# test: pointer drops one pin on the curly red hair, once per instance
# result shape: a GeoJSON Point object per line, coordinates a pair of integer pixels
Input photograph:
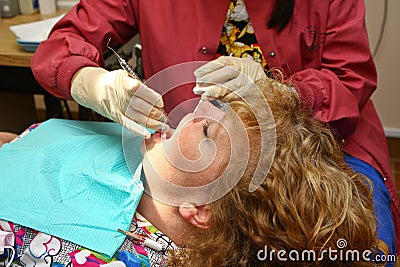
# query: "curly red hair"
{"type": "Point", "coordinates": [309, 200]}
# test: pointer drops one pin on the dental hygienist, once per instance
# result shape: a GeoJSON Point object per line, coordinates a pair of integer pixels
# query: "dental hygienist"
{"type": "Point", "coordinates": [321, 46]}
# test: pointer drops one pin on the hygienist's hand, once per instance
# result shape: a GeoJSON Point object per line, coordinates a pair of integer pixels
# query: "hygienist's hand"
{"type": "Point", "coordinates": [225, 75]}
{"type": "Point", "coordinates": [120, 98]}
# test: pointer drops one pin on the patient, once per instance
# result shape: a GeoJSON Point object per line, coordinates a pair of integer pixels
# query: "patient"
{"type": "Point", "coordinates": [308, 199]}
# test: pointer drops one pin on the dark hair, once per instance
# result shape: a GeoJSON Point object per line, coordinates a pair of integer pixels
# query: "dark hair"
{"type": "Point", "coordinates": [281, 14]}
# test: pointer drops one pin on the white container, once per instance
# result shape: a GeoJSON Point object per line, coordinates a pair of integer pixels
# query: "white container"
{"type": "Point", "coordinates": [27, 6]}
{"type": "Point", "coordinates": [47, 7]}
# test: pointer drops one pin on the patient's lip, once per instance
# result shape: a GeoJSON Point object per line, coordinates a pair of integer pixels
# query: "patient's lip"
{"type": "Point", "coordinates": [156, 135]}
{"type": "Point", "coordinates": [152, 141]}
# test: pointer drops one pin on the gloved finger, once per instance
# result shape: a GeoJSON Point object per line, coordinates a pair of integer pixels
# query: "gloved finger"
{"type": "Point", "coordinates": [230, 97]}
{"type": "Point", "coordinates": [207, 68]}
{"type": "Point", "coordinates": [215, 91]}
{"type": "Point", "coordinates": [137, 88]}
{"type": "Point", "coordinates": [134, 127]}
{"type": "Point", "coordinates": [150, 96]}
{"type": "Point", "coordinates": [219, 76]}
{"type": "Point", "coordinates": [245, 92]}
{"type": "Point", "coordinates": [219, 91]}
{"type": "Point", "coordinates": [198, 90]}
{"type": "Point", "coordinates": [169, 132]}
{"type": "Point", "coordinates": [215, 65]}
{"type": "Point", "coordinates": [143, 119]}
{"type": "Point", "coordinates": [147, 109]}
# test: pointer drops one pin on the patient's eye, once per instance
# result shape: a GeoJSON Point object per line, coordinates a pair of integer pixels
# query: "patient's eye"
{"type": "Point", "coordinates": [206, 124]}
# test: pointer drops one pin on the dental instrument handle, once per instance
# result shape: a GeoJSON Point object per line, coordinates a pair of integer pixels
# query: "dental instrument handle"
{"type": "Point", "coordinates": [145, 240]}
{"type": "Point", "coordinates": [125, 66]}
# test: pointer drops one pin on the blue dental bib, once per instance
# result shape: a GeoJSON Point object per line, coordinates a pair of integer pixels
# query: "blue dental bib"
{"type": "Point", "coordinates": [70, 179]}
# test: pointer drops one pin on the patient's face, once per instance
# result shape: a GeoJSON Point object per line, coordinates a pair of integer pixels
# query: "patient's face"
{"type": "Point", "coordinates": [197, 152]}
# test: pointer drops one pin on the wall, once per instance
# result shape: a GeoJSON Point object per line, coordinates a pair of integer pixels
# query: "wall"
{"type": "Point", "coordinates": [387, 97]}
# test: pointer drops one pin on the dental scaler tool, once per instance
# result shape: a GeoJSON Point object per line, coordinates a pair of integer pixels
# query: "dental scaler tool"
{"type": "Point", "coordinates": [123, 63]}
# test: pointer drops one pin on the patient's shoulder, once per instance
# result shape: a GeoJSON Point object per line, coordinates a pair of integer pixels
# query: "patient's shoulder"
{"type": "Point", "coordinates": [6, 137]}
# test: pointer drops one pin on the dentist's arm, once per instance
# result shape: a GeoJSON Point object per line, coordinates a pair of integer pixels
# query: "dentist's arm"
{"type": "Point", "coordinates": [6, 137]}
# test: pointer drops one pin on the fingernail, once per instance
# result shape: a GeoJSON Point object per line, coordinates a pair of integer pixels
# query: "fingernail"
{"type": "Point", "coordinates": [160, 103]}
{"type": "Point", "coordinates": [198, 90]}
{"type": "Point", "coordinates": [205, 95]}
{"type": "Point", "coordinates": [165, 128]}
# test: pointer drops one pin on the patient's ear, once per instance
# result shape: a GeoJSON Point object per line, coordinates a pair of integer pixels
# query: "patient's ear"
{"type": "Point", "coordinates": [199, 216]}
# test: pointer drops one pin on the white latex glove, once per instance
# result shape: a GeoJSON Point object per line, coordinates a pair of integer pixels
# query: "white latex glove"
{"type": "Point", "coordinates": [120, 98]}
{"type": "Point", "coordinates": [221, 77]}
